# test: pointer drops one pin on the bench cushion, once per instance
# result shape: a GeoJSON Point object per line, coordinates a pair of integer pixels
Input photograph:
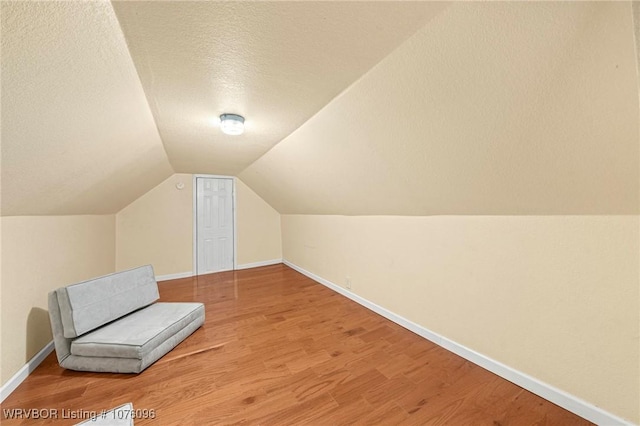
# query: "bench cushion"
{"type": "Point", "coordinates": [139, 333]}
{"type": "Point", "coordinates": [88, 305]}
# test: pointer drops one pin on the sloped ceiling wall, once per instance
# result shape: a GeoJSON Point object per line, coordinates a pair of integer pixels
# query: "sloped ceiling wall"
{"type": "Point", "coordinates": [78, 136]}
{"type": "Point", "coordinates": [492, 108]}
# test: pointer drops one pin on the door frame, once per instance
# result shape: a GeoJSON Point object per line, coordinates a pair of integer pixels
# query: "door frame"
{"type": "Point", "coordinates": [194, 252]}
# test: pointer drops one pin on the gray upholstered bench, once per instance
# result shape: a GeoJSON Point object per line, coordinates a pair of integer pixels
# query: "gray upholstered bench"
{"type": "Point", "coordinates": [112, 324]}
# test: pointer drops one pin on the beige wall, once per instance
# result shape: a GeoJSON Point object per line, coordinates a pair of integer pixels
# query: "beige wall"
{"type": "Point", "coordinates": [259, 236]}
{"type": "Point", "coordinates": [2, 356]}
{"type": "Point", "coordinates": [554, 297]}
{"type": "Point", "coordinates": [39, 254]}
{"type": "Point", "coordinates": [157, 228]}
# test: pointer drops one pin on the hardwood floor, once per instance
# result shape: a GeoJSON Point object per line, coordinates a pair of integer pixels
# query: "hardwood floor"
{"type": "Point", "coordinates": [277, 349]}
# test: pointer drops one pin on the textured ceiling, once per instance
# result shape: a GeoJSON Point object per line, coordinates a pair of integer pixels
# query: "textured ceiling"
{"type": "Point", "coordinates": [276, 63]}
{"type": "Point", "coordinates": [469, 108]}
{"type": "Point", "coordinates": [492, 108]}
{"type": "Point", "coordinates": [77, 133]}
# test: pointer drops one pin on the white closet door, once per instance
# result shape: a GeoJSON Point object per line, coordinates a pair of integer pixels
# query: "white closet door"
{"type": "Point", "coordinates": [214, 225]}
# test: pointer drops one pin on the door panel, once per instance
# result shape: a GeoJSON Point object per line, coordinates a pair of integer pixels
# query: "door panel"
{"type": "Point", "coordinates": [214, 222]}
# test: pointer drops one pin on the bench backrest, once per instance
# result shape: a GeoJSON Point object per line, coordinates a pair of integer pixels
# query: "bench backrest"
{"type": "Point", "coordinates": [88, 305]}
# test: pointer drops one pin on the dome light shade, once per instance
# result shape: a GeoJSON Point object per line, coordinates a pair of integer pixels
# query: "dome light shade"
{"type": "Point", "coordinates": [232, 124]}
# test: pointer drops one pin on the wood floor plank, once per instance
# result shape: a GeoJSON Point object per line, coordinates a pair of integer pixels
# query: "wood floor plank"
{"type": "Point", "coordinates": [386, 414]}
{"type": "Point", "coordinates": [279, 349]}
{"type": "Point", "coordinates": [398, 387]}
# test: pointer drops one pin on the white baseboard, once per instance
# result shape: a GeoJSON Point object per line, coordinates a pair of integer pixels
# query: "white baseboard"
{"type": "Point", "coordinates": [258, 264]}
{"type": "Point", "coordinates": [563, 399]}
{"type": "Point", "coordinates": [238, 267]}
{"type": "Point", "coordinates": [24, 372]}
{"type": "Point", "coordinates": [174, 276]}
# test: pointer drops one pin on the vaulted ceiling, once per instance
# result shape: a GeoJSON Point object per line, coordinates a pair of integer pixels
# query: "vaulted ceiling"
{"type": "Point", "coordinates": [80, 136]}
{"type": "Point", "coordinates": [410, 108]}
{"type": "Point", "coordinates": [276, 63]}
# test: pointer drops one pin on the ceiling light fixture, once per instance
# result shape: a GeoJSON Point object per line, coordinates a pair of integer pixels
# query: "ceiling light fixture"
{"type": "Point", "coordinates": [232, 124]}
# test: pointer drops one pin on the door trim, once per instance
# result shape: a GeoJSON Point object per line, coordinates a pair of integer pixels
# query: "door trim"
{"type": "Point", "coordinates": [194, 250]}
